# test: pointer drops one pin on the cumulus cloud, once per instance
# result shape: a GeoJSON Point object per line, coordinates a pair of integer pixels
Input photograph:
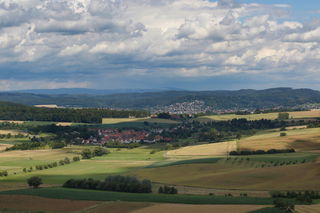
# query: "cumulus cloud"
{"type": "Point", "coordinates": [186, 38]}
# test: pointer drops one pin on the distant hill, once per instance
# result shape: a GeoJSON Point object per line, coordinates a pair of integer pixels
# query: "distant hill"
{"type": "Point", "coordinates": [86, 91]}
{"type": "Point", "coordinates": [240, 99]}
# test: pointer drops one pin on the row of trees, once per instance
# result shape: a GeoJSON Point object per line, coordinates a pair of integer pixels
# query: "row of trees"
{"type": "Point", "coordinates": [53, 164]}
{"type": "Point", "coordinates": [112, 183]}
{"type": "Point", "coordinates": [294, 194]}
{"type": "Point", "coordinates": [261, 152]}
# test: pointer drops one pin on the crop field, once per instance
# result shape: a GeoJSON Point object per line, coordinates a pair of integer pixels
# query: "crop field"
{"type": "Point", "coordinates": [185, 208]}
{"type": "Point", "coordinates": [213, 149]}
{"type": "Point", "coordinates": [271, 116]}
{"type": "Point", "coordinates": [4, 146]}
{"type": "Point", "coordinates": [238, 176]}
{"type": "Point", "coordinates": [299, 139]}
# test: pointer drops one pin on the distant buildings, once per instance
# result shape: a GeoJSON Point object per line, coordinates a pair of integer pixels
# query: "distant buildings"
{"type": "Point", "coordinates": [194, 107]}
{"type": "Point", "coordinates": [127, 136]}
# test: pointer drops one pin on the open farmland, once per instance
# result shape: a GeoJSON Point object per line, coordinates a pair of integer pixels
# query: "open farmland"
{"type": "Point", "coordinates": [118, 161]}
{"type": "Point", "coordinates": [301, 139]}
{"type": "Point", "coordinates": [270, 116]}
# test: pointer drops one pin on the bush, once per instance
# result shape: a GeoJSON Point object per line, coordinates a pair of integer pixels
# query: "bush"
{"type": "Point", "coordinates": [34, 181]}
{"type": "Point", "coordinates": [99, 151]}
{"type": "Point", "coordinates": [76, 158]}
{"type": "Point", "coordinates": [3, 173]}
{"type": "Point", "coordinates": [282, 134]}
{"type": "Point", "coordinates": [153, 151]}
{"type": "Point", "coordinates": [167, 190]}
{"type": "Point", "coordinates": [86, 154]}
{"type": "Point", "coordinates": [284, 205]}
{"type": "Point", "coordinates": [57, 145]}
{"type": "Point", "coordinates": [66, 160]}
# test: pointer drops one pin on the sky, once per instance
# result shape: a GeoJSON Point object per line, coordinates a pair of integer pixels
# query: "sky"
{"type": "Point", "coordinates": [148, 44]}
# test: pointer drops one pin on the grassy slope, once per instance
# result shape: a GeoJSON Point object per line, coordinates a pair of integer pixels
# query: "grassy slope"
{"type": "Point", "coordinates": [79, 194]}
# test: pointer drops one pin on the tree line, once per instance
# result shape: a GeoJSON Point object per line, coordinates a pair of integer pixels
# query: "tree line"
{"type": "Point", "coordinates": [261, 152]}
{"type": "Point", "coordinates": [11, 111]}
{"type": "Point", "coordinates": [116, 183]}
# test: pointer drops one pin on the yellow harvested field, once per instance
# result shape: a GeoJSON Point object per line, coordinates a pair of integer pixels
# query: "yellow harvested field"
{"type": "Point", "coordinates": [43, 154]}
{"type": "Point", "coordinates": [12, 132]}
{"type": "Point", "coordinates": [119, 120]}
{"type": "Point", "coordinates": [64, 124]}
{"type": "Point", "coordinates": [187, 208]}
{"type": "Point", "coordinates": [213, 149]}
{"type": "Point", "coordinates": [125, 120]}
{"type": "Point", "coordinates": [225, 176]}
{"type": "Point", "coordinates": [307, 208]}
{"type": "Point", "coordinates": [299, 139]}
{"type": "Point", "coordinates": [271, 116]}
{"type": "Point", "coordinates": [4, 146]}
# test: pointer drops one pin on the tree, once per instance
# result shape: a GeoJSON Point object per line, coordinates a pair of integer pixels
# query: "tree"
{"type": "Point", "coordinates": [99, 151]}
{"type": "Point", "coordinates": [282, 134]}
{"type": "Point", "coordinates": [164, 115]}
{"type": "Point", "coordinates": [283, 205]}
{"type": "Point", "coordinates": [86, 154]}
{"type": "Point", "coordinates": [34, 181]}
{"type": "Point", "coordinates": [283, 116]}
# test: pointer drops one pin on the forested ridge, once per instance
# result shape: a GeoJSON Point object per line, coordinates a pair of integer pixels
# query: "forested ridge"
{"type": "Point", "coordinates": [240, 99]}
{"type": "Point", "coordinates": [12, 111]}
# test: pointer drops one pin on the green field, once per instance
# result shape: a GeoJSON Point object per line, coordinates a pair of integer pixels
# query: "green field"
{"type": "Point", "coordinates": [80, 194]}
{"type": "Point", "coordinates": [118, 161]}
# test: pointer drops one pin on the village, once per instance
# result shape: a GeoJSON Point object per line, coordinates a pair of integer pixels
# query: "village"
{"type": "Point", "coordinates": [127, 136]}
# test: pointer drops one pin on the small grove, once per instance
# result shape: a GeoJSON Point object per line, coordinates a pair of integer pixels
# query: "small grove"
{"type": "Point", "coordinates": [116, 183]}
